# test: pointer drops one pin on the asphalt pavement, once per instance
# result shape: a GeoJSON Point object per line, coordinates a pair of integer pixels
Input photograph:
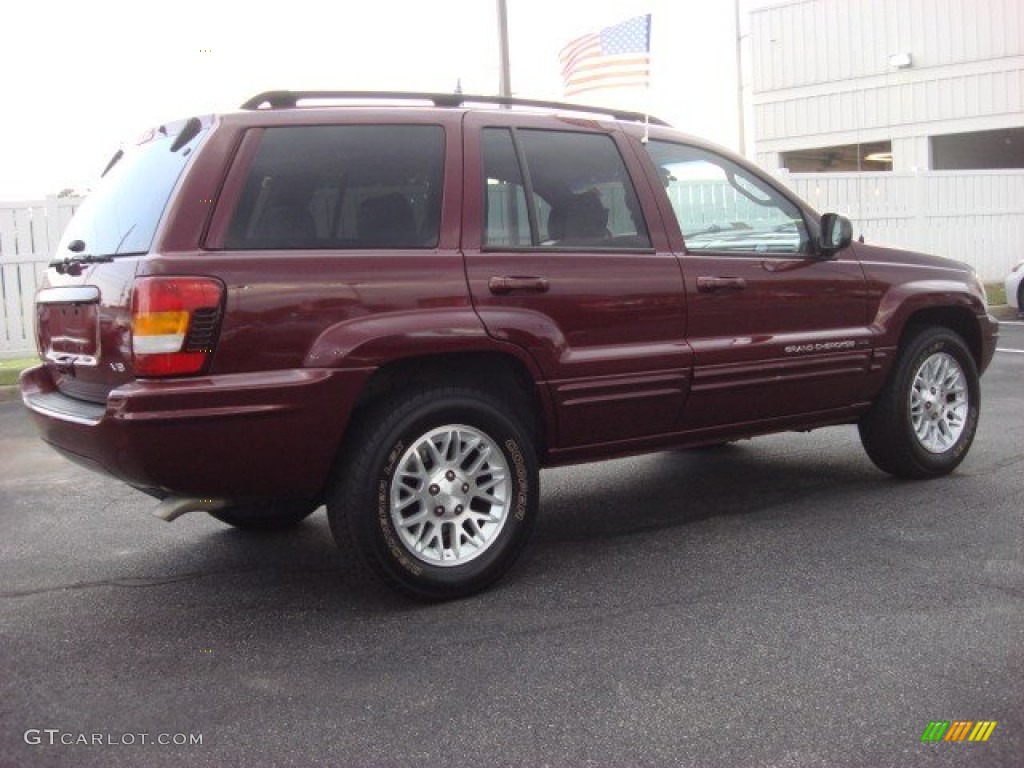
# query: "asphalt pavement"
{"type": "Point", "coordinates": [778, 602]}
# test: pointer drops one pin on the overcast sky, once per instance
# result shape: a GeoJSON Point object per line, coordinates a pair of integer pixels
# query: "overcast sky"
{"type": "Point", "coordinates": [82, 77]}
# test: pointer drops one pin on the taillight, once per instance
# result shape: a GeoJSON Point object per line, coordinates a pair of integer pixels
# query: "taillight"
{"type": "Point", "coordinates": [174, 324]}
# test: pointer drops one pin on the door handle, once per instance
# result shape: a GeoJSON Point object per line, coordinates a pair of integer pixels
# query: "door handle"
{"type": "Point", "coordinates": [507, 284]}
{"type": "Point", "coordinates": [719, 284]}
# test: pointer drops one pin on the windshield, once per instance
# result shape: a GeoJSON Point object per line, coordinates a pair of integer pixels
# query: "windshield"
{"type": "Point", "coordinates": [121, 214]}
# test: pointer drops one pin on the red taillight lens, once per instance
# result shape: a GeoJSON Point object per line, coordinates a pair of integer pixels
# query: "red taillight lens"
{"type": "Point", "coordinates": [174, 323]}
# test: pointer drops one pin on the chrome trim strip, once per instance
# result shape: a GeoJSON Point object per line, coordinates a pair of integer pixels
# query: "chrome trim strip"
{"type": "Point", "coordinates": [71, 294]}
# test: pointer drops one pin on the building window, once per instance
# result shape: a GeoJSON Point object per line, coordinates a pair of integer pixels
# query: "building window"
{"type": "Point", "coordinates": [870, 157]}
{"type": "Point", "coordinates": [981, 150]}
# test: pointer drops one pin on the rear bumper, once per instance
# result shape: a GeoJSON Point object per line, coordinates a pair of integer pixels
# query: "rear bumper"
{"type": "Point", "coordinates": [261, 435]}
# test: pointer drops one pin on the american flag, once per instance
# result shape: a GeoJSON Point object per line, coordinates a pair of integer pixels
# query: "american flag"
{"type": "Point", "coordinates": [615, 57]}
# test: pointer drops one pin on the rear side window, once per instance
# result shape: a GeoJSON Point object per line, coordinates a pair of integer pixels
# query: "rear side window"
{"type": "Point", "coordinates": [121, 214]}
{"type": "Point", "coordinates": [558, 189]}
{"type": "Point", "coordinates": [342, 186]}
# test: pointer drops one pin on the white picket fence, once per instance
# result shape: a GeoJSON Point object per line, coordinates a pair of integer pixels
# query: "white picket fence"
{"type": "Point", "coordinates": [29, 234]}
{"type": "Point", "coordinates": [974, 216]}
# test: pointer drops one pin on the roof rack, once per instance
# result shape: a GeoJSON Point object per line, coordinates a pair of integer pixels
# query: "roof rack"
{"type": "Point", "coordinates": [291, 99]}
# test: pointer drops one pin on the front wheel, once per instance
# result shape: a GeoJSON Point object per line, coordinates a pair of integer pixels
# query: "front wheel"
{"type": "Point", "coordinates": [437, 493]}
{"type": "Point", "coordinates": [924, 420]}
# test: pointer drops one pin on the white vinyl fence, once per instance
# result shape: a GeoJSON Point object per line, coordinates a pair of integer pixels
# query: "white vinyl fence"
{"type": "Point", "coordinates": [29, 233]}
{"type": "Point", "coordinates": [972, 216]}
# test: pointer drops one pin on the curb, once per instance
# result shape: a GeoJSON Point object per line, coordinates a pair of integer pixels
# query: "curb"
{"type": "Point", "coordinates": [1003, 312]}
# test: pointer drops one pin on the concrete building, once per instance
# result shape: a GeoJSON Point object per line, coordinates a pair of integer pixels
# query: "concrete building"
{"type": "Point", "coordinates": [907, 115]}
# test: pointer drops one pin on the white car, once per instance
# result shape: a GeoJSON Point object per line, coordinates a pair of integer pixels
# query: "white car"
{"type": "Point", "coordinates": [1015, 289]}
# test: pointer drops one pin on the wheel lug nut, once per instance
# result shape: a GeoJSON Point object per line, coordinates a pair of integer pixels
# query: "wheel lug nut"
{"type": "Point", "coordinates": [434, 489]}
{"type": "Point", "coordinates": [449, 475]}
{"type": "Point", "coordinates": [465, 487]}
{"type": "Point", "coordinates": [458, 509]}
{"type": "Point", "coordinates": [439, 511]}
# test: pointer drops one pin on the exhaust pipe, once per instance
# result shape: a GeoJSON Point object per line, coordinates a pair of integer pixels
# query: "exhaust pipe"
{"type": "Point", "coordinates": [173, 507]}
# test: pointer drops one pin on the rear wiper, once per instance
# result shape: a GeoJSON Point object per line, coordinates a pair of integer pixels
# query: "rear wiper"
{"type": "Point", "coordinates": [72, 265]}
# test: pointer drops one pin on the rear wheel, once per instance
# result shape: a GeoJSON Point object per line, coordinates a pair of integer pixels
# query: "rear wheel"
{"type": "Point", "coordinates": [438, 492]}
{"type": "Point", "coordinates": [267, 516]}
{"type": "Point", "coordinates": [924, 421]}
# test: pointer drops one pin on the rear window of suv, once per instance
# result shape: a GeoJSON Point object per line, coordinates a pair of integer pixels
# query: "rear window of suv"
{"type": "Point", "coordinates": [120, 216]}
{"type": "Point", "coordinates": [342, 187]}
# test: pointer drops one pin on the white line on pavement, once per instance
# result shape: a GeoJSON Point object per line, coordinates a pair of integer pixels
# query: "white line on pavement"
{"type": "Point", "coordinates": [1014, 351]}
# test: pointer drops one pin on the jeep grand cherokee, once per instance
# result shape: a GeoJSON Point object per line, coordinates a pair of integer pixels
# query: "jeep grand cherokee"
{"type": "Point", "coordinates": [402, 306]}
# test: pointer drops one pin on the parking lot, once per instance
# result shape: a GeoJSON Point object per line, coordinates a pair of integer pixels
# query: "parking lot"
{"type": "Point", "coordinates": [776, 602]}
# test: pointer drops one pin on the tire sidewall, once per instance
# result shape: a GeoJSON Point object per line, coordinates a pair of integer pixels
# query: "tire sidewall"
{"type": "Point", "coordinates": [371, 519]}
{"type": "Point", "coordinates": [926, 345]}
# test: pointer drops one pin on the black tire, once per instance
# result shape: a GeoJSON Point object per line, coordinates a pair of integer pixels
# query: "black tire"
{"type": "Point", "coordinates": [1020, 299]}
{"type": "Point", "coordinates": [369, 493]}
{"type": "Point", "coordinates": [266, 517]}
{"type": "Point", "coordinates": [887, 430]}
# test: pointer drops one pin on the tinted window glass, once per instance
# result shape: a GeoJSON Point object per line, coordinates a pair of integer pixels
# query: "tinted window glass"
{"type": "Point", "coordinates": [337, 187]}
{"type": "Point", "coordinates": [505, 213]}
{"type": "Point", "coordinates": [121, 214]}
{"type": "Point", "coordinates": [582, 196]}
{"type": "Point", "coordinates": [723, 207]}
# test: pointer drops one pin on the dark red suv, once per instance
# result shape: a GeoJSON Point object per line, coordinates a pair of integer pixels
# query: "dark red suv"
{"type": "Point", "coordinates": [403, 309]}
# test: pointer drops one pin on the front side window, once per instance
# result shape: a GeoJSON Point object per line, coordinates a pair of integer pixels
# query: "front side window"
{"type": "Point", "coordinates": [723, 207]}
{"type": "Point", "coordinates": [579, 194]}
{"type": "Point", "coordinates": [342, 187]}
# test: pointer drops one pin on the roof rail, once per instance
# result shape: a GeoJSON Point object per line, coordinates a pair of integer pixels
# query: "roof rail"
{"type": "Point", "coordinates": [291, 99]}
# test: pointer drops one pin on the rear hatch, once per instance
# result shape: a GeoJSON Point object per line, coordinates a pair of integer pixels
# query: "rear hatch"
{"type": "Point", "coordinates": [83, 313]}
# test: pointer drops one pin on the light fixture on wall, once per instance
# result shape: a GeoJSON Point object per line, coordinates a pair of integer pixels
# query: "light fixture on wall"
{"type": "Point", "coordinates": [901, 61]}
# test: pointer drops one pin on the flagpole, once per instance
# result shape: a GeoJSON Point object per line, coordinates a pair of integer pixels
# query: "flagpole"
{"type": "Point", "coordinates": [650, 77]}
{"type": "Point", "coordinates": [504, 75]}
{"type": "Point", "coordinates": [739, 81]}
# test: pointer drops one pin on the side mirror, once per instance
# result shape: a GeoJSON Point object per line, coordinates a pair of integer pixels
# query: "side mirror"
{"type": "Point", "coordinates": [836, 234]}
